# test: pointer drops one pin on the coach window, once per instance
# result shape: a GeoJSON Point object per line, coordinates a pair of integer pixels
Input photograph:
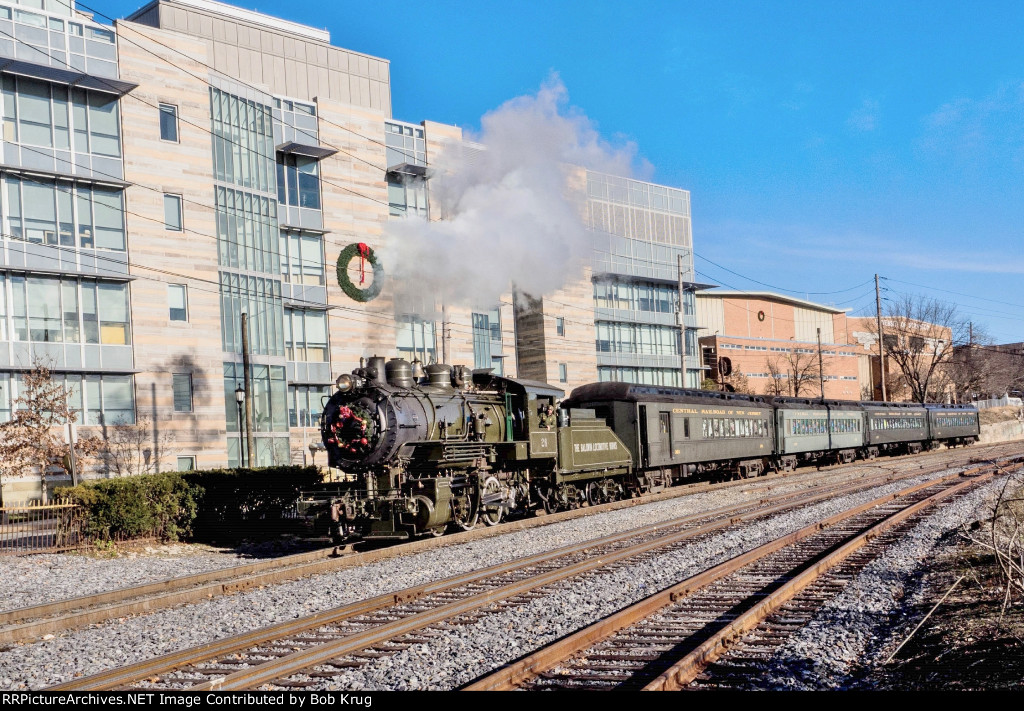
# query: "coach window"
{"type": "Point", "coordinates": [168, 123]}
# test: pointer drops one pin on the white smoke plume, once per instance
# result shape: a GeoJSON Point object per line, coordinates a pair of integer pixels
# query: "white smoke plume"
{"type": "Point", "coordinates": [508, 215]}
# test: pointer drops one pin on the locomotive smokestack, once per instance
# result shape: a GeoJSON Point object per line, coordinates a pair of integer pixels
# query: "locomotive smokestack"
{"type": "Point", "coordinates": [376, 365]}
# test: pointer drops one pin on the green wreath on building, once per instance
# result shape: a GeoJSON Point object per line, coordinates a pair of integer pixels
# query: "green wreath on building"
{"type": "Point", "coordinates": [354, 291]}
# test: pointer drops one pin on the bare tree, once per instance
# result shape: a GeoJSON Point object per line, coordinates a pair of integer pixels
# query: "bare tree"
{"type": "Point", "coordinates": [777, 377]}
{"type": "Point", "coordinates": [795, 374]}
{"type": "Point", "coordinates": [130, 448]}
{"type": "Point", "coordinates": [921, 335]}
{"type": "Point", "coordinates": [980, 369]}
{"type": "Point", "coordinates": [739, 383]}
{"type": "Point", "coordinates": [34, 436]}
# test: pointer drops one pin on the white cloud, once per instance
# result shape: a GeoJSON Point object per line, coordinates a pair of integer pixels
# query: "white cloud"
{"type": "Point", "coordinates": [865, 117]}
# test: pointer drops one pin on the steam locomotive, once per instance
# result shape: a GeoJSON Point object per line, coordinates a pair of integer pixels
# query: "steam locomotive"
{"type": "Point", "coordinates": [425, 449]}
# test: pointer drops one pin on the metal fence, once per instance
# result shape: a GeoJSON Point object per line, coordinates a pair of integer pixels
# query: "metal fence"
{"type": "Point", "coordinates": [35, 527]}
{"type": "Point", "coordinates": [1004, 401]}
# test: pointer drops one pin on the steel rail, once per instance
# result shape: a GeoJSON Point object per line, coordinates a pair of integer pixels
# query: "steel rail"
{"type": "Point", "coordinates": [34, 622]}
{"type": "Point", "coordinates": [516, 673]}
{"type": "Point", "coordinates": [726, 515]}
{"type": "Point", "coordinates": [686, 669]}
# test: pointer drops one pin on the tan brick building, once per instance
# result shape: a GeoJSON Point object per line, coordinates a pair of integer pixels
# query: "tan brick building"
{"type": "Point", "coordinates": [772, 340]}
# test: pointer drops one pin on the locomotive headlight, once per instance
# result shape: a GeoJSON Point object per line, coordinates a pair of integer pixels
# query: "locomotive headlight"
{"type": "Point", "coordinates": [344, 383]}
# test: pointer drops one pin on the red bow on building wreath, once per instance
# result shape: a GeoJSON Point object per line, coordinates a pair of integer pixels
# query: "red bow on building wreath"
{"type": "Point", "coordinates": [364, 254]}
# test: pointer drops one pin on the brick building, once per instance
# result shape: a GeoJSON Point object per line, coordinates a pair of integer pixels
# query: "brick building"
{"type": "Point", "coordinates": [772, 341]}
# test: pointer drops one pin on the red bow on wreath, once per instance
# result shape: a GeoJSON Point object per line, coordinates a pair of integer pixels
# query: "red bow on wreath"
{"type": "Point", "coordinates": [364, 254]}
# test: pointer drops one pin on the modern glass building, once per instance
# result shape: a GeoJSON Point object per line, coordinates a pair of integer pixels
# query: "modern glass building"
{"type": "Point", "coordinates": [196, 162]}
{"type": "Point", "coordinates": [643, 248]}
{"type": "Point", "coordinates": [65, 283]}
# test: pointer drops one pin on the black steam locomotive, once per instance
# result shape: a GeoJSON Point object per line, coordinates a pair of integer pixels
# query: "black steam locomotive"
{"type": "Point", "coordinates": [426, 449]}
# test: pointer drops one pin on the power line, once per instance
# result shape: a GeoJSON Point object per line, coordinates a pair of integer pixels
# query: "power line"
{"type": "Point", "coordinates": [780, 288]}
{"type": "Point", "coordinates": [236, 80]}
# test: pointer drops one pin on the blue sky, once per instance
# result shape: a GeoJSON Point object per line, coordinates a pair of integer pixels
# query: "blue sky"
{"type": "Point", "coordinates": [821, 142]}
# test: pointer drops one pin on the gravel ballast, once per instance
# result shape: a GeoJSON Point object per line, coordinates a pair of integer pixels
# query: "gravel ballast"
{"type": "Point", "coordinates": [453, 658]}
{"type": "Point", "coordinates": [863, 624]}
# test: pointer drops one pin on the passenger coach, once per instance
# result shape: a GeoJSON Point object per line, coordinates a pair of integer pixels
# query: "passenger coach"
{"type": "Point", "coordinates": [672, 432]}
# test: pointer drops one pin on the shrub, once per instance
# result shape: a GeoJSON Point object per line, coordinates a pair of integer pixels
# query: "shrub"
{"type": "Point", "coordinates": [244, 503]}
{"type": "Point", "coordinates": [209, 505]}
{"type": "Point", "coordinates": [159, 505]}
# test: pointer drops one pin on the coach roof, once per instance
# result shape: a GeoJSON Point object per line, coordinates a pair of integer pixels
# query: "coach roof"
{"type": "Point", "coordinates": [632, 392]}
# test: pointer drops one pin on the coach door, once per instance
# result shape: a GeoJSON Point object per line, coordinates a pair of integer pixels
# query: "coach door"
{"type": "Point", "coordinates": [665, 435]}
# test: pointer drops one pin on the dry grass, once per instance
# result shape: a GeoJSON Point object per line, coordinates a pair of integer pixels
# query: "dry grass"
{"type": "Point", "coordinates": [992, 415]}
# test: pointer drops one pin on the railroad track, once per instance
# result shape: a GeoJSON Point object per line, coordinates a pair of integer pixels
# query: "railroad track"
{"type": "Point", "coordinates": [667, 640]}
{"type": "Point", "coordinates": [29, 623]}
{"type": "Point", "coordinates": [321, 645]}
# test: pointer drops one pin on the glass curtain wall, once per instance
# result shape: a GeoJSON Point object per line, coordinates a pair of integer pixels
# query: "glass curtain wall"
{"type": "Point", "coordinates": [248, 239]}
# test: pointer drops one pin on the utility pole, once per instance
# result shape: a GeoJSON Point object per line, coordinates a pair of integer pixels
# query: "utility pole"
{"type": "Point", "coordinates": [970, 361]}
{"type": "Point", "coordinates": [682, 327]}
{"type": "Point", "coordinates": [444, 334]}
{"type": "Point", "coordinates": [821, 368]}
{"type": "Point", "coordinates": [250, 438]}
{"type": "Point", "coordinates": [821, 376]}
{"type": "Point", "coordinates": [881, 339]}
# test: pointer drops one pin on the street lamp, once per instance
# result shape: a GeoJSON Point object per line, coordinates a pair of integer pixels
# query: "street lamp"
{"type": "Point", "coordinates": [240, 400]}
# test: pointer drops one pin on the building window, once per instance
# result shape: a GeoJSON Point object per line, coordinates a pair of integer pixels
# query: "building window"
{"type": "Point", "coordinates": [298, 181]}
{"type": "Point", "coordinates": [54, 310]}
{"type": "Point", "coordinates": [177, 297]}
{"type": "Point", "coordinates": [486, 338]}
{"type": "Point", "coordinates": [51, 116]}
{"type": "Point", "coordinates": [305, 335]}
{"type": "Point", "coordinates": [560, 326]}
{"type": "Point", "coordinates": [172, 212]}
{"type": "Point", "coordinates": [187, 463]}
{"type": "Point", "coordinates": [302, 258]}
{"type": "Point", "coordinates": [182, 385]}
{"type": "Point", "coordinates": [642, 339]}
{"type": "Point", "coordinates": [168, 123]}
{"type": "Point", "coordinates": [63, 212]}
{"type": "Point", "coordinates": [305, 404]}
{"type": "Point", "coordinates": [407, 196]}
{"type": "Point", "coordinates": [247, 232]}
{"type": "Point", "coordinates": [405, 144]}
{"type": "Point", "coordinates": [261, 299]}
{"type": "Point", "coordinates": [563, 373]}
{"type": "Point", "coordinates": [481, 341]}
{"type": "Point", "coordinates": [243, 141]}
{"type": "Point", "coordinates": [416, 339]}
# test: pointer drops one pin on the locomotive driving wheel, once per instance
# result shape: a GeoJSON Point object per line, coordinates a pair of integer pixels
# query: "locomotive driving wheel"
{"type": "Point", "coordinates": [490, 513]}
{"type": "Point", "coordinates": [464, 512]}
